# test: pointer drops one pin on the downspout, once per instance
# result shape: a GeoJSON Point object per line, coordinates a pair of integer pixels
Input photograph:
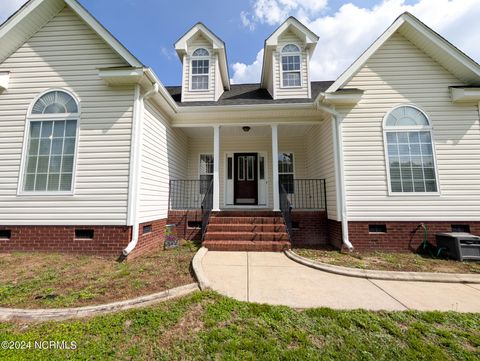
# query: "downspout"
{"type": "Point", "coordinates": [135, 163]}
{"type": "Point", "coordinates": [341, 177]}
{"type": "Point", "coordinates": [339, 170]}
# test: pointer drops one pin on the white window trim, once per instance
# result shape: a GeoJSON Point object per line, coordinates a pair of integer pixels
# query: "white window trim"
{"type": "Point", "coordinates": [386, 129]}
{"type": "Point", "coordinates": [192, 58]}
{"type": "Point", "coordinates": [199, 163]}
{"type": "Point", "coordinates": [48, 117]}
{"type": "Point", "coordinates": [282, 55]}
{"type": "Point", "coordinates": [294, 165]}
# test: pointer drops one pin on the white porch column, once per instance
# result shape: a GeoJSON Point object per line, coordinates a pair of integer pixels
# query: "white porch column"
{"type": "Point", "coordinates": [216, 168]}
{"type": "Point", "coordinates": [276, 188]}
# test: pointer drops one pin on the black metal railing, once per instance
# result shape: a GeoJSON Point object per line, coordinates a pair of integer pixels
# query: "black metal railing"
{"type": "Point", "coordinates": [286, 209]}
{"type": "Point", "coordinates": [307, 193]}
{"type": "Point", "coordinates": [207, 206]}
{"type": "Point", "coordinates": [187, 194]}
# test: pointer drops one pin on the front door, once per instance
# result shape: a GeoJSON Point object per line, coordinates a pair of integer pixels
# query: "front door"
{"type": "Point", "coordinates": [246, 179]}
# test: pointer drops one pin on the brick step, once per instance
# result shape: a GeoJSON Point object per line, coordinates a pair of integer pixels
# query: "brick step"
{"type": "Point", "coordinates": [246, 220]}
{"type": "Point", "coordinates": [246, 227]}
{"type": "Point", "coordinates": [246, 214]}
{"type": "Point", "coordinates": [247, 236]}
{"type": "Point", "coordinates": [246, 246]}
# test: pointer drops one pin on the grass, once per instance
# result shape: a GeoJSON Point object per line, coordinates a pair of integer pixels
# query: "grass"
{"type": "Point", "coordinates": [205, 326]}
{"type": "Point", "coordinates": [30, 280]}
{"type": "Point", "coordinates": [389, 261]}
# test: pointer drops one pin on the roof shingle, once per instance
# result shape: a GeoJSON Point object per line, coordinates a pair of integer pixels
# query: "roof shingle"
{"type": "Point", "coordinates": [248, 94]}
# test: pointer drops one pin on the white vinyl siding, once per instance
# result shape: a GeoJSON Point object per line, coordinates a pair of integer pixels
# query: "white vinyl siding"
{"type": "Point", "coordinates": [320, 161]}
{"type": "Point", "coordinates": [234, 144]}
{"type": "Point", "coordinates": [282, 92]}
{"type": "Point", "coordinates": [66, 53]}
{"type": "Point", "coordinates": [164, 157]}
{"type": "Point", "coordinates": [399, 73]}
{"type": "Point", "coordinates": [188, 94]}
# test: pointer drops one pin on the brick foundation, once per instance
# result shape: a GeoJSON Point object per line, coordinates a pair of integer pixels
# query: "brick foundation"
{"type": "Point", "coordinates": [400, 236]}
{"type": "Point", "coordinates": [312, 228]}
{"type": "Point", "coordinates": [181, 219]}
{"type": "Point", "coordinates": [107, 240]}
{"type": "Point", "coordinates": [334, 230]}
{"type": "Point", "coordinates": [151, 241]}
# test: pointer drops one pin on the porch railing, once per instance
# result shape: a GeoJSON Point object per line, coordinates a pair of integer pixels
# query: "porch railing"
{"type": "Point", "coordinates": [207, 206]}
{"type": "Point", "coordinates": [307, 193]}
{"type": "Point", "coordinates": [188, 194]}
{"type": "Point", "coordinates": [286, 209]}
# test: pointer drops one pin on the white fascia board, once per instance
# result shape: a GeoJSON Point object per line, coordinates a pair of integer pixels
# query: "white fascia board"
{"type": "Point", "coordinates": [443, 44]}
{"type": "Point", "coordinates": [244, 107]}
{"type": "Point", "coordinates": [342, 98]}
{"type": "Point", "coordinates": [357, 64]}
{"type": "Point", "coordinates": [162, 91]}
{"type": "Point", "coordinates": [104, 33]}
{"type": "Point", "coordinates": [181, 44]}
{"type": "Point", "coordinates": [465, 95]}
{"type": "Point", "coordinates": [4, 80]}
{"type": "Point", "coordinates": [121, 76]}
{"type": "Point", "coordinates": [18, 16]}
{"type": "Point", "coordinates": [407, 20]}
{"type": "Point", "coordinates": [308, 36]}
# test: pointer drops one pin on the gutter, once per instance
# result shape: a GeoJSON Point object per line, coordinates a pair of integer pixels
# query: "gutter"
{"type": "Point", "coordinates": [136, 160]}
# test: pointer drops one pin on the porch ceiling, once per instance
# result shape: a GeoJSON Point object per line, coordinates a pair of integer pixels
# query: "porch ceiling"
{"type": "Point", "coordinates": [255, 131]}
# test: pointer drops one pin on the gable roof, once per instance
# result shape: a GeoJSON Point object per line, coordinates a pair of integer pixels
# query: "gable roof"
{"type": "Point", "coordinates": [432, 43]}
{"type": "Point", "coordinates": [34, 14]}
{"type": "Point", "coordinates": [305, 34]}
{"type": "Point", "coordinates": [181, 47]}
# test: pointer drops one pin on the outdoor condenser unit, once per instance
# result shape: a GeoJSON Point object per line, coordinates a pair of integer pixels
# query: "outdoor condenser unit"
{"type": "Point", "coordinates": [460, 246]}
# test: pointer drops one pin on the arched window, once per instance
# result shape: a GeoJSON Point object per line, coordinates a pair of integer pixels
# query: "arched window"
{"type": "Point", "coordinates": [290, 48]}
{"type": "Point", "coordinates": [51, 139]}
{"type": "Point", "coordinates": [200, 69]}
{"type": "Point", "coordinates": [201, 52]}
{"type": "Point", "coordinates": [410, 151]}
{"type": "Point", "coordinates": [291, 73]}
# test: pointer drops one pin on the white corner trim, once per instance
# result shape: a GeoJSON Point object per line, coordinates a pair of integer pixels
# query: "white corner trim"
{"type": "Point", "coordinates": [4, 80]}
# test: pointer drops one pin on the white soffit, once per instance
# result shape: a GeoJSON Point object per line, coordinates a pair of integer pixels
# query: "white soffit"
{"type": "Point", "coordinates": [25, 22]}
{"type": "Point", "coordinates": [32, 16]}
{"type": "Point", "coordinates": [465, 95]}
{"type": "Point", "coordinates": [434, 45]}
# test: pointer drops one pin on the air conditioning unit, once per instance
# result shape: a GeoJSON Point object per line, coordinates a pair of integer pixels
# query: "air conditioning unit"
{"type": "Point", "coordinates": [460, 246]}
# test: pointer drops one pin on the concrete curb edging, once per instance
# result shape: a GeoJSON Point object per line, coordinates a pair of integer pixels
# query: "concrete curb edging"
{"type": "Point", "coordinates": [385, 275]}
{"type": "Point", "coordinates": [202, 279]}
{"type": "Point", "coordinates": [8, 314]}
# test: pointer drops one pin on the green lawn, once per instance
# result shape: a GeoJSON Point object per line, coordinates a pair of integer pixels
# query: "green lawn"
{"type": "Point", "coordinates": [52, 280]}
{"type": "Point", "coordinates": [208, 326]}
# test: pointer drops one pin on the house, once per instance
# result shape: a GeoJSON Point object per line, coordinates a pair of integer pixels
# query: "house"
{"type": "Point", "coordinates": [97, 156]}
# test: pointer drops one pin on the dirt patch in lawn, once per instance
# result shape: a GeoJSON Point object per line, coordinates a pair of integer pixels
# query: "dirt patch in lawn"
{"type": "Point", "coordinates": [49, 280]}
{"type": "Point", "coordinates": [389, 261]}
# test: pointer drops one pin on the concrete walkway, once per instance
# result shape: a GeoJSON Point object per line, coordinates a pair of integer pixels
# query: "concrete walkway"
{"type": "Point", "coordinates": [273, 278]}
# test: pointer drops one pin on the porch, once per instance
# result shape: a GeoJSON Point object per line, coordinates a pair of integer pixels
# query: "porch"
{"type": "Point", "coordinates": [247, 181]}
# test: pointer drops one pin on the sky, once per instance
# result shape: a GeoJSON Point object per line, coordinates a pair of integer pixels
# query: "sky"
{"type": "Point", "coordinates": [149, 28]}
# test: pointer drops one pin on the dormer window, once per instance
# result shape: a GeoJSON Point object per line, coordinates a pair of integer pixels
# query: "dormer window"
{"type": "Point", "coordinates": [291, 73]}
{"type": "Point", "coordinates": [200, 69]}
